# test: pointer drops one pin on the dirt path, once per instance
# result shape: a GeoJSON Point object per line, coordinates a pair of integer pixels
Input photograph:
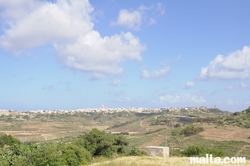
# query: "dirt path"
{"type": "Point", "coordinates": [141, 123]}
{"type": "Point", "coordinates": [146, 127]}
{"type": "Point", "coordinates": [241, 149]}
{"type": "Point", "coordinates": [44, 136]}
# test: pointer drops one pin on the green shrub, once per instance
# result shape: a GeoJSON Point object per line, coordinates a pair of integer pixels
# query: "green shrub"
{"type": "Point", "coordinates": [200, 151]}
{"type": "Point", "coordinates": [74, 155]}
{"type": "Point", "coordinates": [53, 154]}
{"type": "Point", "coordinates": [175, 132]}
{"type": "Point", "coordinates": [177, 125]}
{"type": "Point", "coordinates": [193, 151]}
{"type": "Point", "coordinates": [100, 143]}
{"type": "Point", "coordinates": [175, 152]}
{"type": "Point", "coordinates": [8, 140]}
{"type": "Point", "coordinates": [136, 152]}
{"type": "Point", "coordinates": [191, 130]}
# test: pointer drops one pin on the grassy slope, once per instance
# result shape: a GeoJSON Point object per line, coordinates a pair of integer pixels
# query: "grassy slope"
{"type": "Point", "coordinates": [155, 161]}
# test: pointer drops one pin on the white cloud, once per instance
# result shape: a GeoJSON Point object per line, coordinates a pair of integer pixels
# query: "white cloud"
{"type": "Point", "coordinates": [160, 8]}
{"type": "Point", "coordinates": [234, 66]}
{"type": "Point", "coordinates": [97, 76]}
{"type": "Point", "coordinates": [134, 19]}
{"type": "Point", "coordinates": [130, 19]}
{"type": "Point", "coordinates": [49, 22]}
{"type": "Point", "coordinates": [188, 85]}
{"type": "Point", "coordinates": [156, 74]}
{"type": "Point", "coordinates": [16, 9]}
{"type": "Point", "coordinates": [152, 21]}
{"type": "Point", "coordinates": [68, 26]}
{"type": "Point", "coordinates": [101, 55]}
{"type": "Point", "coordinates": [178, 98]}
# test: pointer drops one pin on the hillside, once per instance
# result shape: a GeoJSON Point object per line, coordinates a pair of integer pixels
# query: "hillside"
{"type": "Point", "coordinates": [220, 129]}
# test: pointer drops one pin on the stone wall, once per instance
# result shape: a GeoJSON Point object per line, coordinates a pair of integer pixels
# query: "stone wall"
{"type": "Point", "coordinates": [159, 151]}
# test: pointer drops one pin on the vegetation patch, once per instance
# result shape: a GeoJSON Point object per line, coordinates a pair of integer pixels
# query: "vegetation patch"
{"type": "Point", "coordinates": [229, 148]}
{"type": "Point", "coordinates": [191, 130]}
{"type": "Point", "coordinates": [79, 152]}
{"type": "Point", "coordinates": [201, 152]}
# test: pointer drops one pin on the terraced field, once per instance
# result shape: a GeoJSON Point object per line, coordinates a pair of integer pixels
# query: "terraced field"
{"type": "Point", "coordinates": [141, 129]}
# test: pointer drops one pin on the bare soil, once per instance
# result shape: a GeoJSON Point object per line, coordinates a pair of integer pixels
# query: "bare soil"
{"type": "Point", "coordinates": [226, 133]}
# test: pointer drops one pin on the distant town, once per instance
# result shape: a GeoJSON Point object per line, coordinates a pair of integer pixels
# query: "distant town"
{"type": "Point", "coordinates": [103, 109]}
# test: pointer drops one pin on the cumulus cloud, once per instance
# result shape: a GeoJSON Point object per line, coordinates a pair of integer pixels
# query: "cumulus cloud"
{"type": "Point", "coordinates": [156, 74]}
{"type": "Point", "coordinates": [234, 66]}
{"type": "Point", "coordinates": [68, 27]}
{"type": "Point", "coordinates": [47, 22]}
{"type": "Point", "coordinates": [17, 9]}
{"type": "Point", "coordinates": [178, 98]}
{"type": "Point", "coordinates": [133, 19]}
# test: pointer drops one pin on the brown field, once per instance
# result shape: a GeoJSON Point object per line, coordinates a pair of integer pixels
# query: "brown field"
{"type": "Point", "coordinates": [37, 131]}
{"type": "Point", "coordinates": [226, 133]}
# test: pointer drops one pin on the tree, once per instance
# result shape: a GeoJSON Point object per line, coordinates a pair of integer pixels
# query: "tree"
{"type": "Point", "coordinates": [100, 143]}
{"type": "Point", "coordinates": [74, 155]}
{"type": "Point", "coordinates": [8, 140]}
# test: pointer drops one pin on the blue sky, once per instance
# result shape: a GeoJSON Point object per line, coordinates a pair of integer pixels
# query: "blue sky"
{"type": "Point", "coordinates": [70, 54]}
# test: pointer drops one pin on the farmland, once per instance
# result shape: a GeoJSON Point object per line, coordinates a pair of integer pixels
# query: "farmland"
{"type": "Point", "coordinates": [221, 130]}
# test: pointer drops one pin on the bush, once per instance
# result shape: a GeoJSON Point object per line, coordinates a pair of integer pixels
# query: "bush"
{"type": "Point", "coordinates": [74, 155]}
{"type": "Point", "coordinates": [175, 152]}
{"type": "Point", "coordinates": [193, 151]}
{"type": "Point", "coordinates": [136, 152]}
{"type": "Point", "coordinates": [191, 130]}
{"type": "Point", "coordinates": [199, 151]}
{"type": "Point", "coordinates": [79, 152]}
{"type": "Point", "coordinates": [177, 125]}
{"type": "Point", "coordinates": [8, 140]}
{"type": "Point", "coordinates": [175, 133]}
{"type": "Point", "coordinates": [53, 154]}
{"type": "Point", "coordinates": [100, 143]}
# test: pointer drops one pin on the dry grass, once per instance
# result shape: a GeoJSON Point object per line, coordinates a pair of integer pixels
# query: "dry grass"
{"type": "Point", "coordinates": [38, 131]}
{"type": "Point", "coordinates": [155, 161]}
{"type": "Point", "coordinates": [226, 133]}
